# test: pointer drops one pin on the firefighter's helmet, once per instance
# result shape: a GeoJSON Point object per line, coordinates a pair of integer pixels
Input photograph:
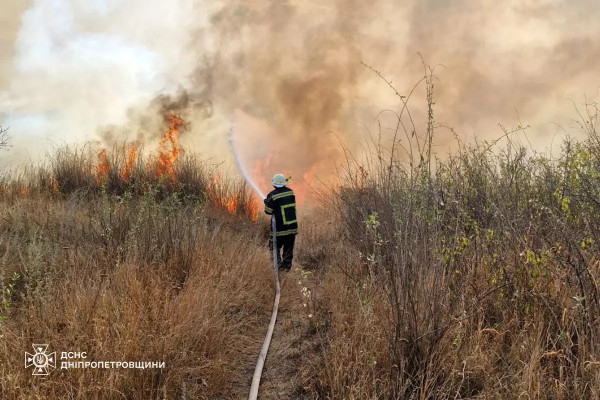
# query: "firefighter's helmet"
{"type": "Point", "coordinates": [279, 180]}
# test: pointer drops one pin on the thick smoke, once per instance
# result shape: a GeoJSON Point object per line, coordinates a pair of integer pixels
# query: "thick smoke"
{"type": "Point", "coordinates": [289, 74]}
{"type": "Point", "coordinates": [294, 67]}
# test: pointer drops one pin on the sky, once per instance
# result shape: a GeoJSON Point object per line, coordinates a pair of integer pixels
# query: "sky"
{"type": "Point", "coordinates": [289, 75]}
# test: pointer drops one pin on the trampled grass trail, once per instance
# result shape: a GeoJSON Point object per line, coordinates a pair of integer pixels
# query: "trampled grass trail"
{"type": "Point", "coordinates": [283, 375]}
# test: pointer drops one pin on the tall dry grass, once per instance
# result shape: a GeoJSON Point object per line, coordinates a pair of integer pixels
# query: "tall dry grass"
{"type": "Point", "coordinates": [153, 272]}
{"type": "Point", "coordinates": [475, 276]}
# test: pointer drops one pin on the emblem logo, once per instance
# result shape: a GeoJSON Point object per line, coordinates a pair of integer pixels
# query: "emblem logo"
{"type": "Point", "coordinates": [40, 360]}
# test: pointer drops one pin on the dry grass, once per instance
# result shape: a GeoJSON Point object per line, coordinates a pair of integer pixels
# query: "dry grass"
{"type": "Point", "coordinates": [144, 276]}
{"type": "Point", "coordinates": [472, 277]}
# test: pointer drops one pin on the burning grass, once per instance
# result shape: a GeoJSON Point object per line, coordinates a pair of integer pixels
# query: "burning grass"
{"type": "Point", "coordinates": [125, 171]}
{"type": "Point", "coordinates": [169, 150]}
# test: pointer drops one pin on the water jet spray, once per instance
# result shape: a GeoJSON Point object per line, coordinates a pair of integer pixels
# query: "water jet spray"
{"type": "Point", "coordinates": [240, 166]}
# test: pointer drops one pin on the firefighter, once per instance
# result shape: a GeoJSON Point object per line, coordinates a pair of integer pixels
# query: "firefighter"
{"type": "Point", "coordinates": [281, 203]}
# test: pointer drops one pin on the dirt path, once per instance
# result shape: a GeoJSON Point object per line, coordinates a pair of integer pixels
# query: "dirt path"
{"type": "Point", "coordinates": [282, 376]}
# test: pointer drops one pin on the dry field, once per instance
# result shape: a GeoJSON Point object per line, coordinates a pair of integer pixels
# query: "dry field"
{"type": "Point", "coordinates": [475, 277]}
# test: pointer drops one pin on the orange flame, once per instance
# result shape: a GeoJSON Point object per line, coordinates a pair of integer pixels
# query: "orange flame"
{"type": "Point", "coordinates": [132, 155]}
{"type": "Point", "coordinates": [169, 150]}
{"type": "Point", "coordinates": [230, 205]}
{"type": "Point", "coordinates": [234, 205]}
{"type": "Point", "coordinates": [253, 206]}
{"type": "Point", "coordinates": [103, 167]}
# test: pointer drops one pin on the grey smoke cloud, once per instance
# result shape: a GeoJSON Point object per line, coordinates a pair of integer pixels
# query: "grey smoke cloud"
{"type": "Point", "coordinates": [288, 73]}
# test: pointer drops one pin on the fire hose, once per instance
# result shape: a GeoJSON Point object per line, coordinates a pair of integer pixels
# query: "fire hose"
{"type": "Point", "coordinates": [265, 347]}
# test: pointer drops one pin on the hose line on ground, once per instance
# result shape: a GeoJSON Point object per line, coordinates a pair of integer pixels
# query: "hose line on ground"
{"type": "Point", "coordinates": [265, 347]}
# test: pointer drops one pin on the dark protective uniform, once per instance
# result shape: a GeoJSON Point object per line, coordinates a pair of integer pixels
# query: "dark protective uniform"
{"type": "Point", "coordinates": [281, 202]}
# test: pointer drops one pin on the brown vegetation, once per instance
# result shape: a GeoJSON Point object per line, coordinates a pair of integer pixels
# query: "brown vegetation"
{"type": "Point", "coordinates": [129, 274]}
{"type": "Point", "coordinates": [472, 277]}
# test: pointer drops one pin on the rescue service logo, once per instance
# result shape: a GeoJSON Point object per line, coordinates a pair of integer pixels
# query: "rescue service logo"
{"type": "Point", "coordinates": [41, 361]}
